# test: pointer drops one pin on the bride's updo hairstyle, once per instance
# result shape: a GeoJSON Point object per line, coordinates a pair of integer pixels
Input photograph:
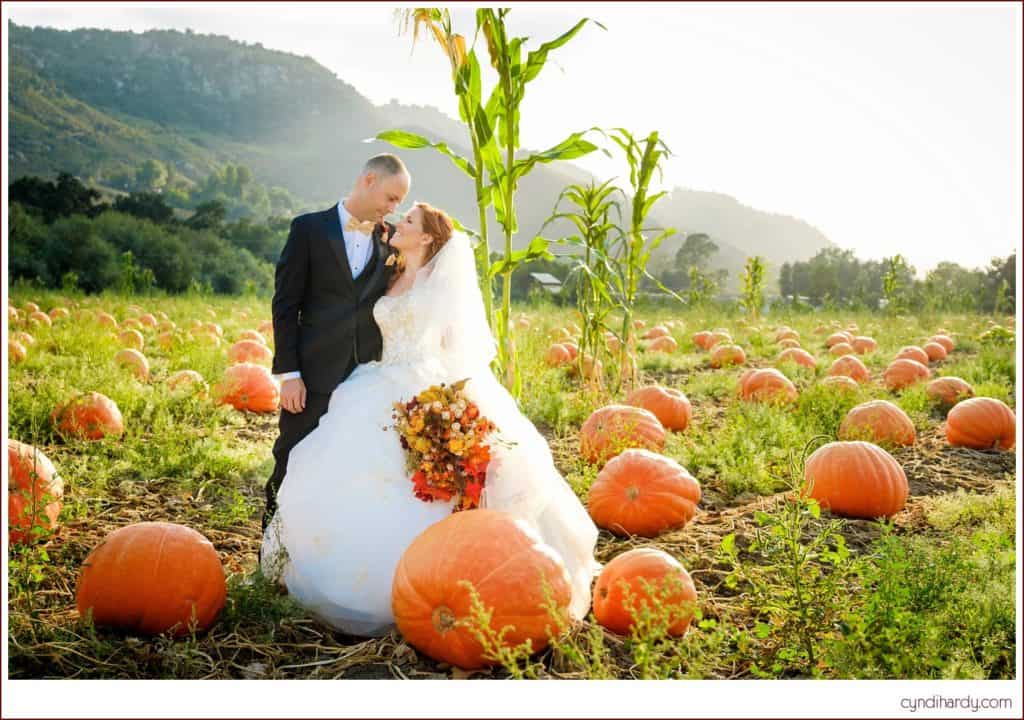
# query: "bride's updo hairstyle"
{"type": "Point", "coordinates": [438, 225]}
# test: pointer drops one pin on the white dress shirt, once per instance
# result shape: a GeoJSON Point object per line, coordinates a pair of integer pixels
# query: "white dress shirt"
{"type": "Point", "coordinates": [358, 247]}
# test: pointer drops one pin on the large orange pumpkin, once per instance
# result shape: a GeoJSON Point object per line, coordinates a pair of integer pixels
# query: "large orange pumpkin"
{"type": "Point", "coordinates": [134, 361]}
{"type": "Point", "coordinates": [656, 332]}
{"type": "Point", "coordinates": [787, 334]}
{"type": "Point", "coordinates": [983, 424]}
{"type": "Point", "coordinates": [663, 343]}
{"type": "Point", "coordinates": [643, 493]}
{"type": "Point", "coordinates": [701, 339]}
{"type": "Point", "coordinates": [878, 421]}
{"type": "Point", "coordinates": [634, 571]}
{"type": "Point", "coordinates": [789, 343]}
{"type": "Point", "coordinates": [557, 355]}
{"type": "Point", "coordinates": [106, 319]}
{"type": "Point", "coordinates": [840, 382]}
{"type": "Point", "coordinates": [34, 492]}
{"type": "Point", "coordinates": [249, 387]}
{"type": "Point", "coordinates": [935, 351]}
{"type": "Point", "coordinates": [862, 345]}
{"type": "Point", "coordinates": [949, 390]}
{"type": "Point", "coordinates": [839, 337]}
{"type": "Point", "coordinates": [856, 479]}
{"type": "Point", "coordinates": [724, 355]}
{"type": "Point", "coordinates": [90, 416]}
{"type": "Point", "coordinates": [252, 335]}
{"type": "Point", "coordinates": [799, 356]}
{"type": "Point", "coordinates": [40, 318]}
{"type": "Point", "coordinates": [131, 338]}
{"type": "Point", "coordinates": [573, 348]}
{"type": "Point", "coordinates": [913, 352]}
{"type": "Point", "coordinates": [16, 352]}
{"type": "Point", "coordinates": [507, 564]}
{"type": "Point", "coordinates": [614, 428]}
{"type": "Point", "coordinates": [250, 351]}
{"type": "Point", "coordinates": [851, 367]}
{"type": "Point", "coordinates": [904, 372]}
{"type": "Point", "coordinates": [152, 577]}
{"type": "Point", "coordinates": [841, 349]}
{"type": "Point", "coordinates": [670, 406]}
{"type": "Point", "coordinates": [944, 340]}
{"type": "Point", "coordinates": [767, 385]}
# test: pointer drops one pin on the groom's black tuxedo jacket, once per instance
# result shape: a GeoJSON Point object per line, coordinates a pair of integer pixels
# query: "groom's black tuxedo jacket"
{"type": "Point", "coordinates": [323, 318]}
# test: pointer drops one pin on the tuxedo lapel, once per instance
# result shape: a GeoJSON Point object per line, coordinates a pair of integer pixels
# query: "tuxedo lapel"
{"type": "Point", "coordinates": [336, 239]}
{"type": "Point", "coordinates": [378, 267]}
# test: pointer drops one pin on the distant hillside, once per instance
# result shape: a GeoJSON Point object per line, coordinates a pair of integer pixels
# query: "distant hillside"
{"type": "Point", "coordinates": [99, 103]}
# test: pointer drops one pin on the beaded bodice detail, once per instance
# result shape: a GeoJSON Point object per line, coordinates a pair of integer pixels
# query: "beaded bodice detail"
{"type": "Point", "coordinates": [406, 341]}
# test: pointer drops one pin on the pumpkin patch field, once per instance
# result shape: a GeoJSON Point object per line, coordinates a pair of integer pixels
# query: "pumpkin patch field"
{"type": "Point", "coordinates": [813, 495]}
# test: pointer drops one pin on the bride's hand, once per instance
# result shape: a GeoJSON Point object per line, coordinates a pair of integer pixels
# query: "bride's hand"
{"type": "Point", "coordinates": [293, 395]}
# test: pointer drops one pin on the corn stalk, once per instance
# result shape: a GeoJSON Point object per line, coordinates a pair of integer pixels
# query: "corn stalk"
{"type": "Point", "coordinates": [644, 158]}
{"type": "Point", "coordinates": [598, 285]}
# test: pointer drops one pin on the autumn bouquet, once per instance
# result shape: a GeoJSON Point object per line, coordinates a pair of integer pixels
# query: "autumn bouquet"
{"type": "Point", "coordinates": [446, 441]}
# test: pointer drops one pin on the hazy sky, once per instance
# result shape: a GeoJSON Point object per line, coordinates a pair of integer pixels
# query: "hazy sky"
{"type": "Point", "coordinates": [892, 128]}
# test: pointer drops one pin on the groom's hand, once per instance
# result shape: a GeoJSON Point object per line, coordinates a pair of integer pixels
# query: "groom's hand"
{"type": "Point", "coordinates": [293, 395]}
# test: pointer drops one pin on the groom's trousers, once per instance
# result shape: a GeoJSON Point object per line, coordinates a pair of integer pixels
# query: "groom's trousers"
{"type": "Point", "coordinates": [292, 427]}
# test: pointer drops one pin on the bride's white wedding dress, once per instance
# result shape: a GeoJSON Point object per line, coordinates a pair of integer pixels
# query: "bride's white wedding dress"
{"type": "Point", "coordinates": [346, 508]}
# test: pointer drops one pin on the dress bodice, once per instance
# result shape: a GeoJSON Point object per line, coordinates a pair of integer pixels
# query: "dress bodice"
{"type": "Point", "coordinates": [406, 341]}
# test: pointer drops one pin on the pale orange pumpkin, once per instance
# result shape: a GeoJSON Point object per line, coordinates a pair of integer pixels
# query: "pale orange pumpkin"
{"type": "Point", "coordinates": [16, 352]}
{"type": "Point", "coordinates": [267, 327]}
{"type": "Point", "coordinates": [40, 318]}
{"type": "Point", "coordinates": [904, 372]}
{"type": "Point", "coordinates": [878, 421]}
{"type": "Point", "coordinates": [862, 345]}
{"type": "Point", "coordinates": [913, 352]}
{"type": "Point", "coordinates": [187, 382]}
{"type": "Point", "coordinates": [656, 332]}
{"type": "Point", "coordinates": [432, 607]}
{"type": "Point", "coordinates": [643, 493]}
{"type": "Point", "coordinates": [719, 337]}
{"type": "Point", "coordinates": [151, 578]}
{"type": "Point", "coordinates": [841, 349]}
{"type": "Point", "coordinates": [982, 423]}
{"type": "Point", "coordinates": [254, 335]}
{"type": "Point", "coordinates": [131, 338]}
{"type": "Point", "coordinates": [90, 416]}
{"type": "Point", "coordinates": [789, 343]}
{"type": "Point", "coordinates": [614, 428]}
{"type": "Point", "coordinates": [663, 344]}
{"type": "Point", "coordinates": [799, 356]}
{"type": "Point", "coordinates": [949, 390]}
{"type": "Point", "coordinates": [767, 385]}
{"type": "Point", "coordinates": [250, 388]}
{"type": "Point", "coordinates": [557, 354]}
{"type": "Point", "coordinates": [214, 328]}
{"type": "Point", "coordinates": [787, 334]}
{"type": "Point", "coordinates": [724, 355]}
{"type": "Point", "coordinates": [670, 406]}
{"type": "Point", "coordinates": [134, 361]}
{"type": "Point", "coordinates": [701, 339]}
{"type": "Point", "coordinates": [148, 320]}
{"type": "Point", "coordinates": [934, 351]}
{"type": "Point", "coordinates": [852, 367]}
{"type": "Point", "coordinates": [944, 340]}
{"type": "Point", "coordinates": [632, 573]}
{"type": "Point", "coordinates": [838, 337]}
{"type": "Point", "coordinates": [23, 338]}
{"type": "Point", "coordinates": [856, 479]}
{"type": "Point", "coordinates": [250, 351]}
{"type": "Point", "coordinates": [60, 313]}
{"type": "Point", "coordinates": [840, 382]}
{"type": "Point", "coordinates": [106, 319]}
{"type": "Point", "coordinates": [573, 348]}
{"type": "Point", "coordinates": [34, 492]}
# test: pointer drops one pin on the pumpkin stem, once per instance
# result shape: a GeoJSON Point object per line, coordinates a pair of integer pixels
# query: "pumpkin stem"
{"type": "Point", "coordinates": [632, 493]}
{"type": "Point", "coordinates": [443, 619]}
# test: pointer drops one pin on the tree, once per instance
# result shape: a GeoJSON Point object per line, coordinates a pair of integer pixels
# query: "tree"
{"type": "Point", "coordinates": [52, 200]}
{"type": "Point", "coordinates": [696, 251]}
{"type": "Point", "coordinates": [151, 176]}
{"type": "Point", "coordinates": [208, 216]}
{"type": "Point", "coordinates": [146, 205]}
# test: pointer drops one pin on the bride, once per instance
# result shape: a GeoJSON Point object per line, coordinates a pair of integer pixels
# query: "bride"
{"type": "Point", "coordinates": [346, 509]}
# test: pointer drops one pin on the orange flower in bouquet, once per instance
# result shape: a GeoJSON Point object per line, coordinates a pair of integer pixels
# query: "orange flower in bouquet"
{"type": "Point", "coordinates": [447, 444]}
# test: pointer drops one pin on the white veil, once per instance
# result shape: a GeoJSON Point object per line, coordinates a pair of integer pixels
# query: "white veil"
{"type": "Point", "coordinates": [453, 309]}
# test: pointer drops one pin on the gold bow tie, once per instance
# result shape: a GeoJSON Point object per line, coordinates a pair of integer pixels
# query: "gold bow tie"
{"type": "Point", "coordinates": [365, 227]}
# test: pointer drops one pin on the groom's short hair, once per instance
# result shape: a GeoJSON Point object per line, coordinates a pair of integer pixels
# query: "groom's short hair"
{"type": "Point", "coordinates": [385, 165]}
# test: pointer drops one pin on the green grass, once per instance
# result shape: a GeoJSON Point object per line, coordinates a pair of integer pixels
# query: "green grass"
{"type": "Point", "coordinates": [930, 595]}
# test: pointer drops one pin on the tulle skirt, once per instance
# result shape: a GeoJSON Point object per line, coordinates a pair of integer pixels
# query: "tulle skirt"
{"type": "Point", "coordinates": [346, 508]}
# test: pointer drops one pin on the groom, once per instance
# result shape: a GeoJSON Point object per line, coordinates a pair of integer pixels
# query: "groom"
{"type": "Point", "coordinates": [331, 272]}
